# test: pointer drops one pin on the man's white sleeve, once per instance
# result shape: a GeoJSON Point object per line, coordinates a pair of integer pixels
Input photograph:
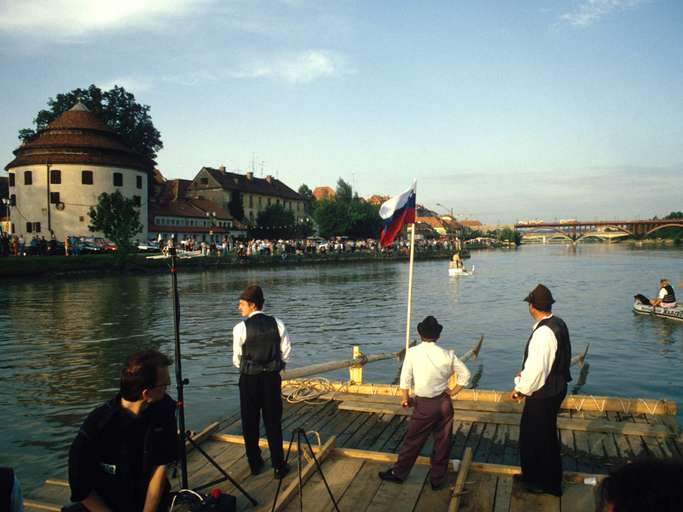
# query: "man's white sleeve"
{"type": "Point", "coordinates": [238, 338]}
{"type": "Point", "coordinates": [406, 380]}
{"type": "Point", "coordinates": [285, 345]}
{"type": "Point", "coordinates": [542, 348]}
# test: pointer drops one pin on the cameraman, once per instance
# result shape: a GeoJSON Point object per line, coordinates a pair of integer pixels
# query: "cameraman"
{"type": "Point", "coordinates": [118, 460]}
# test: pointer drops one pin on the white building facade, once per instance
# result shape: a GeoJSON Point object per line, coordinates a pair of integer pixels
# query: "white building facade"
{"type": "Point", "coordinates": [58, 176]}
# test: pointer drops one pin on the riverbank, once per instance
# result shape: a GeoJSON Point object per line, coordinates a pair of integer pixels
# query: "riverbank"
{"type": "Point", "coordinates": [42, 266]}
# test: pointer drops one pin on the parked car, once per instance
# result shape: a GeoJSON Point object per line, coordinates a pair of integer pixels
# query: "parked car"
{"type": "Point", "coordinates": [87, 245]}
{"type": "Point", "coordinates": [106, 245]}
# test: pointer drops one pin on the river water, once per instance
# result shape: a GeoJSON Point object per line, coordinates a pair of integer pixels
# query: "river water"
{"type": "Point", "coordinates": [62, 340]}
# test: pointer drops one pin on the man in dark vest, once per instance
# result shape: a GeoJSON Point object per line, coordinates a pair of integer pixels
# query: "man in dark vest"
{"type": "Point", "coordinates": [666, 298]}
{"type": "Point", "coordinates": [10, 492]}
{"type": "Point", "coordinates": [260, 348]}
{"type": "Point", "coordinates": [543, 382]}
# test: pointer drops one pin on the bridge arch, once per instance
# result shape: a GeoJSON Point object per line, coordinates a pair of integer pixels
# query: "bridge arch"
{"type": "Point", "coordinates": [662, 226]}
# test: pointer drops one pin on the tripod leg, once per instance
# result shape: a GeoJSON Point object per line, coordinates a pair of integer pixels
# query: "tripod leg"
{"type": "Point", "coordinates": [320, 470]}
{"type": "Point", "coordinates": [279, 482]}
{"type": "Point", "coordinates": [225, 474]}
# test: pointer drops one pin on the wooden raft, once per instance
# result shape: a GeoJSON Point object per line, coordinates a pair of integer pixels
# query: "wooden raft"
{"type": "Point", "coordinates": [361, 434]}
{"type": "Point", "coordinates": [362, 426]}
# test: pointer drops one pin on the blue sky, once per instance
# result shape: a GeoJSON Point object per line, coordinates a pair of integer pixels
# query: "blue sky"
{"type": "Point", "coordinates": [501, 110]}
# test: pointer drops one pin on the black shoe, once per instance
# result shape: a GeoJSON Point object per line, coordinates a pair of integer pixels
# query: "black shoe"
{"type": "Point", "coordinates": [281, 472]}
{"type": "Point", "coordinates": [388, 476]}
{"type": "Point", "coordinates": [533, 488]}
{"type": "Point", "coordinates": [439, 486]}
{"type": "Point", "coordinates": [257, 467]}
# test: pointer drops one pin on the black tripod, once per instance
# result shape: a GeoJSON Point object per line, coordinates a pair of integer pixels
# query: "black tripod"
{"type": "Point", "coordinates": [181, 383]}
{"type": "Point", "coordinates": [299, 433]}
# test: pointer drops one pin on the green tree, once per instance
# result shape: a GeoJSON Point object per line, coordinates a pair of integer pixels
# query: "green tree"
{"type": "Point", "coordinates": [674, 215]}
{"type": "Point", "coordinates": [332, 218]}
{"type": "Point", "coordinates": [309, 199]}
{"type": "Point", "coordinates": [119, 220]}
{"type": "Point", "coordinates": [344, 192]}
{"type": "Point", "coordinates": [116, 107]}
{"type": "Point", "coordinates": [274, 222]}
{"type": "Point", "coordinates": [236, 205]}
{"type": "Point", "coordinates": [347, 215]}
{"type": "Point", "coordinates": [509, 235]}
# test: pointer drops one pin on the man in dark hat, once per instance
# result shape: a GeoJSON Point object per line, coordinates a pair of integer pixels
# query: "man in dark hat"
{"type": "Point", "coordinates": [543, 382]}
{"type": "Point", "coordinates": [427, 367]}
{"type": "Point", "coordinates": [260, 347]}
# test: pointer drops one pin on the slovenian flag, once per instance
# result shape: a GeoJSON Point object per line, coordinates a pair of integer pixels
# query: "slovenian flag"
{"type": "Point", "coordinates": [396, 212]}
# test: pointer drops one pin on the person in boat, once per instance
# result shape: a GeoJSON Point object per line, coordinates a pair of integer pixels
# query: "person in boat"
{"type": "Point", "coordinates": [119, 458]}
{"type": "Point", "coordinates": [260, 348]}
{"type": "Point", "coordinates": [428, 367]}
{"type": "Point", "coordinates": [456, 262]}
{"type": "Point", "coordinates": [645, 484]}
{"type": "Point", "coordinates": [543, 382]}
{"type": "Point", "coordinates": [666, 297]}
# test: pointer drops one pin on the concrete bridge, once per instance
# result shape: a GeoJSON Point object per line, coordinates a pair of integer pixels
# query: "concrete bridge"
{"type": "Point", "coordinates": [576, 231]}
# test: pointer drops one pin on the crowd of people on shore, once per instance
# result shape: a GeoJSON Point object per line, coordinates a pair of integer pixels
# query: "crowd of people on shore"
{"type": "Point", "coordinates": [13, 245]}
{"type": "Point", "coordinates": [246, 248]}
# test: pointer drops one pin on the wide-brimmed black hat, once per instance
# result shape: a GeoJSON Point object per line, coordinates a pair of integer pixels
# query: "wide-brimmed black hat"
{"type": "Point", "coordinates": [429, 328]}
{"type": "Point", "coordinates": [253, 294]}
{"type": "Point", "coordinates": [540, 298]}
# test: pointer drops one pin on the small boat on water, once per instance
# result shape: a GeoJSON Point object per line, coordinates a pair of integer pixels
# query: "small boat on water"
{"type": "Point", "coordinates": [643, 306]}
{"type": "Point", "coordinates": [453, 272]}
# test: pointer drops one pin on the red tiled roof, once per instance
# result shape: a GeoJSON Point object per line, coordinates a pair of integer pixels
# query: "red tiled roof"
{"type": "Point", "coordinates": [324, 193]}
{"type": "Point", "coordinates": [79, 137]}
{"type": "Point", "coordinates": [377, 199]}
{"type": "Point", "coordinates": [470, 223]}
{"type": "Point", "coordinates": [265, 186]}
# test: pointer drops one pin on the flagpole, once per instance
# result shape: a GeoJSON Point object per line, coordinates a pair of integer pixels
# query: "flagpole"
{"type": "Point", "coordinates": [410, 283]}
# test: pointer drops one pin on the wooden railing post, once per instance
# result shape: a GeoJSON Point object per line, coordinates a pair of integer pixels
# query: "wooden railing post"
{"type": "Point", "coordinates": [356, 372]}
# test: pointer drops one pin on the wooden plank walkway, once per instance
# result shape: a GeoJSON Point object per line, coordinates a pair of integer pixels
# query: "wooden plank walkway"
{"type": "Point", "coordinates": [591, 442]}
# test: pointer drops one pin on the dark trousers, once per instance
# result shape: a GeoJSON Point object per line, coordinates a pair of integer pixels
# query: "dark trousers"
{"type": "Point", "coordinates": [260, 394]}
{"type": "Point", "coordinates": [430, 416]}
{"type": "Point", "coordinates": [539, 447]}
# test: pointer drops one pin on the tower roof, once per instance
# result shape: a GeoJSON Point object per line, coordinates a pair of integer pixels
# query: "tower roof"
{"type": "Point", "coordinates": [78, 136]}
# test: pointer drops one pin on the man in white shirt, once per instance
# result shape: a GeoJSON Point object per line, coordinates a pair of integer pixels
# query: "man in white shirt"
{"type": "Point", "coordinates": [427, 367]}
{"type": "Point", "coordinates": [260, 348]}
{"type": "Point", "coordinates": [543, 382]}
{"type": "Point", "coordinates": [666, 298]}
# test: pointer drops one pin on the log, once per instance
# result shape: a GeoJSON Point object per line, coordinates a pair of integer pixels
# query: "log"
{"type": "Point", "coordinates": [390, 458]}
{"type": "Point", "coordinates": [37, 505]}
{"type": "Point", "coordinates": [314, 369]}
{"type": "Point", "coordinates": [473, 353]}
{"type": "Point", "coordinates": [579, 424]}
{"type": "Point", "coordinates": [572, 402]}
{"type": "Point", "coordinates": [454, 504]}
{"type": "Point", "coordinates": [581, 358]}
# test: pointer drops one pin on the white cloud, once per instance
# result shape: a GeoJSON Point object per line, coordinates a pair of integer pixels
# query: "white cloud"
{"type": "Point", "coordinates": [297, 68]}
{"type": "Point", "coordinates": [134, 85]}
{"type": "Point", "coordinates": [68, 19]}
{"type": "Point", "coordinates": [191, 78]}
{"type": "Point", "coordinates": [591, 11]}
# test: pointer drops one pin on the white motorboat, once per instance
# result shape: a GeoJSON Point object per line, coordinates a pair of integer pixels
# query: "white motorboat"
{"type": "Point", "coordinates": [453, 272]}
{"type": "Point", "coordinates": [675, 313]}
